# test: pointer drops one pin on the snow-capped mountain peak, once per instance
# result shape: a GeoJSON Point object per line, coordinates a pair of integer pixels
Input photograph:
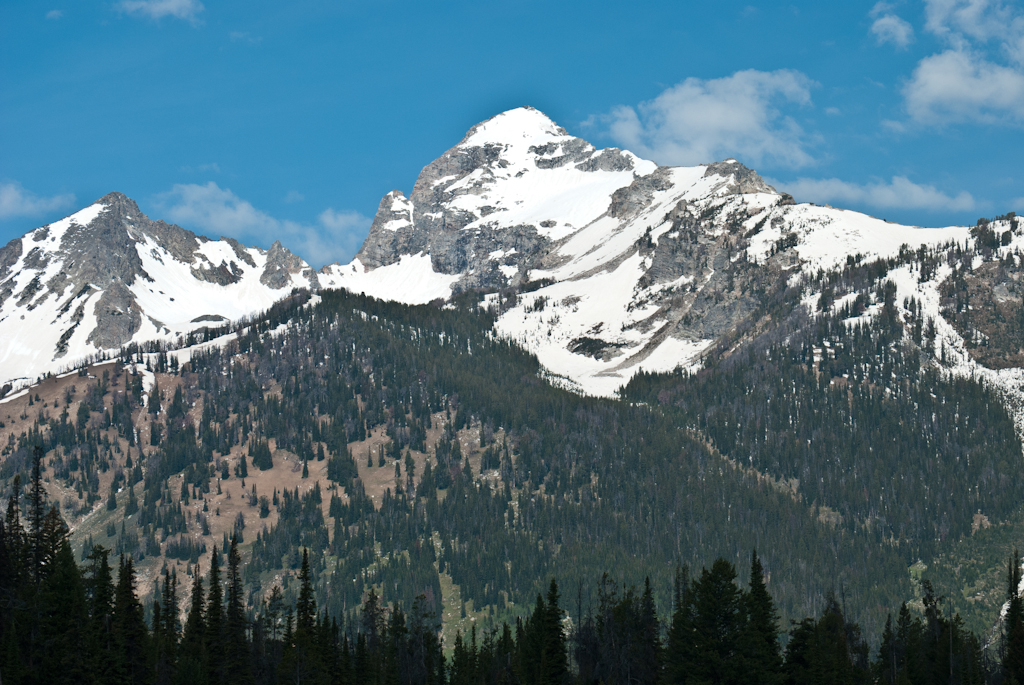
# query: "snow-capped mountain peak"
{"type": "Point", "coordinates": [640, 266]}
{"type": "Point", "coordinates": [107, 276]}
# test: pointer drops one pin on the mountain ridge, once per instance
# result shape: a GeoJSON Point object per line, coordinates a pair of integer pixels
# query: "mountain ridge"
{"type": "Point", "coordinates": [601, 263]}
{"type": "Point", "coordinates": [797, 378]}
{"type": "Point", "coordinates": [108, 276]}
{"type": "Point", "coordinates": [640, 266]}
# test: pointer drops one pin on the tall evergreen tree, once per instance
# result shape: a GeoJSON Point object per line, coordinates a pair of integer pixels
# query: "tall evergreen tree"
{"type": "Point", "coordinates": [131, 638]}
{"type": "Point", "coordinates": [166, 630]}
{"type": "Point", "coordinates": [1013, 630]}
{"type": "Point", "coordinates": [300, 661]}
{"type": "Point", "coordinates": [213, 636]}
{"type": "Point", "coordinates": [100, 591]}
{"type": "Point", "coordinates": [65, 616]}
{"type": "Point", "coordinates": [37, 512]}
{"type": "Point", "coordinates": [717, 624]}
{"type": "Point", "coordinates": [679, 644]}
{"type": "Point", "coordinates": [554, 659]}
{"type": "Point", "coordinates": [649, 653]}
{"type": "Point", "coordinates": [239, 662]}
{"type": "Point", "coordinates": [192, 662]}
{"type": "Point", "coordinates": [15, 542]}
{"type": "Point", "coordinates": [886, 668]}
{"type": "Point", "coordinates": [760, 653]}
{"type": "Point", "coordinates": [305, 606]}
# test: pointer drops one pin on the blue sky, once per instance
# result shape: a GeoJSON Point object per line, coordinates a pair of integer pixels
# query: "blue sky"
{"type": "Point", "coordinates": [268, 120]}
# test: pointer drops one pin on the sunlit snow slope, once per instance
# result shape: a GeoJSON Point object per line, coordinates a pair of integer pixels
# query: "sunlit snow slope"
{"type": "Point", "coordinates": [632, 257]}
{"type": "Point", "coordinates": [107, 276]}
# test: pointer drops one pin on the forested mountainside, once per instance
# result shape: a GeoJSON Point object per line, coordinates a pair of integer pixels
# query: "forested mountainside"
{"type": "Point", "coordinates": [66, 624]}
{"type": "Point", "coordinates": [862, 405]}
{"type": "Point", "coordinates": [854, 418]}
{"type": "Point", "coordinates": [107, 276]}
{"type": "Point", "coordinates": [412, 451]}
{"type": "Point", "coordinates": [523, 480]}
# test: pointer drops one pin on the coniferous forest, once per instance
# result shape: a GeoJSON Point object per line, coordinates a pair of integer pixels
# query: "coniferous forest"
{"type": "Point", "coordinates": [355, 490]}
{"type": "Point", "coordinates": [63, 623]}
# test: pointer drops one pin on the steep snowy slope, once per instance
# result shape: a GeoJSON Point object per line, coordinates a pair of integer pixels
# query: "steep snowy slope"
{"type": "Point", "coordinates": [107, 276]}
{"type": "Point", "coordinates": [641, 266]}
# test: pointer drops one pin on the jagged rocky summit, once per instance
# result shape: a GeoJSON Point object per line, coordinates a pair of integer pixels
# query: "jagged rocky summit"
{"type": "Point", "coordinates": [598, 261]}
{"type": "Point", "coordinates": [108, 276]}
{"type": "Point", "coordinates": [638, 265]}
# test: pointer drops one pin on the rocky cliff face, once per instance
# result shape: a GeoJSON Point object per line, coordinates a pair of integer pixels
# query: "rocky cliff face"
{"type": "Point", "coordinates": [598, 261]}
{"type": "Point", "coordinates": [489, 209]}
{"type": "Point", "coordinates": [107, 276]}
{"type": "Point", "coordinates": [630, 265]}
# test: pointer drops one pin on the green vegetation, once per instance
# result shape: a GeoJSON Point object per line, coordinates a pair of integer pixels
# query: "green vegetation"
{"type": "Point", "coordinates": [843, 452]}
{"type": "Point", "coordinates": [64, 624]}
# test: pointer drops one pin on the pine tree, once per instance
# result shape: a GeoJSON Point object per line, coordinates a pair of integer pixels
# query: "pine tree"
{"type": "Point", "coordinates": [554, 660]}
{"type": "Point", "coordinates": [1013, 635]}
{"type": "Point", "coordinates": [461, 671]}
{"type": "Point", "coordinates": [213, 636]}
{"type": "Point", "coordinates": [100, 592]}
{"type": "Point", "coordinates": [299, 660]}
{"type": "Point", "coordinates": [192, 662]}
{"type": "Point", "coordinates": [239, 663]}
{"type": "Point", "coordinates": [648, 666]}
{"type": "Point", "coordinates": [679, 645]}
{"type": "Point", "coordinates": [37, 511]}
{"type": "Point", "coordinates": [885, 668]}
{"type": "Point", "coordinates": [166, 629]}
{"type": "Point", "coordinates": [718, 623]}
{"type": "Point", "coordinates": [131, 638]}
{"type": "Point", "coordinates": [305, 606]}
{"type": "Point", "coordinates": [759, 640]}
{"type": "Point", "coordinates": [153, 405]}
{"type": "Point", "coordinates": [65, 617]}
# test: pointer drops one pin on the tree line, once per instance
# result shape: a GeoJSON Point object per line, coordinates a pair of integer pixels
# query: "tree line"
{"type": "Point", "coordinates": [61, 623]}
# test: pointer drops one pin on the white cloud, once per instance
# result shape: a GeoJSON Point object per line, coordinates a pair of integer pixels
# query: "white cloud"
{"type": "Point", "coordinates": [1018, 204]}
{"type": "Point", "coordinates": [960, 85]}
{"type": "Point", "coordinates": [294, 196]}
{"type": "Point", "coordinates": [980, 20]}
{"type": "Point", "coordinates": [15, 201]}
{"type": "Point", "coordinates": [218, 211]}
{"type": "Point", "coordinates": [342, 221]}
{"type": "Point", "coordinates": [889, 28]}
{"type": "Point", "coordinates": [244, 36]}
{"type": "Point", "coordinates": [707, 120]}
{"type": "Point", "coordinates": [346, 228]}
{"type": "Point", "coordinates": [54, 14]}
{"type": "Point", "coordinates": [900, 193]}
{"type": "Point", "coordinates": [980, 75]}
{"type": "Point", "coordinates": [157, 9]}
{"type": "Point", "coordinates": [212, 208]}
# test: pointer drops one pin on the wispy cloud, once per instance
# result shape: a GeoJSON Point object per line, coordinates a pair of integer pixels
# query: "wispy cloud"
{"type": "Point", "coordinates": [245, 37]}
{"type": "Point", "coordinates": [707, 120]}
{"type": "Point", "coordinates": [188, 10]}
{"type": "Point", "coordinates": [294, 196]}
{"type": "Point", "coordinates": [218, 211]}
{"type": "Point", "coordinates": [209, 167]}
{"type": "Point", "coordinates": [979, 76]}
{"type": "Point", "coordinates": [979, 20]}
{"type": "Point", "coordinates": [961, 85]}
{"type": "Point", "coordinates": [15, 201]}
{"type": "Point", "coordinates": [900, 193]}
{"type": "Point", "coordinates": [54, 14]}
{"type": "Point", "coordinates": [890, 28]}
